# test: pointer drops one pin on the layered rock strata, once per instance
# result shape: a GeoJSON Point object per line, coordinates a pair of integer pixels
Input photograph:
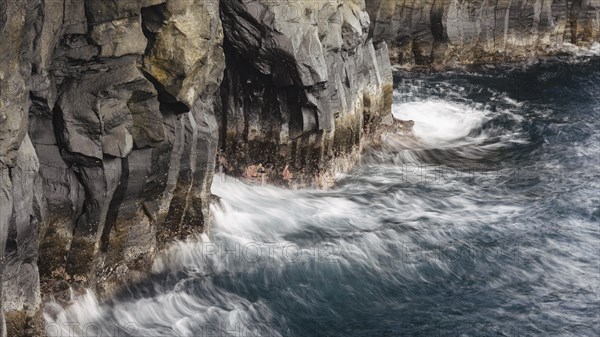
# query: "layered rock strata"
{"type": "Point", "coordinates": [455, 32]}
{"type": "Point", "coordinates": [113, 114]}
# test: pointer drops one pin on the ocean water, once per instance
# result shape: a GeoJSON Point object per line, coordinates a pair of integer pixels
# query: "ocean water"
{"type": "Point", "coordinates": [484, 222]}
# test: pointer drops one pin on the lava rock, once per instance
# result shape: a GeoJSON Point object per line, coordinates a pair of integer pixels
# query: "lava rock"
{"type": "Point", "coordinates": [451, 33]}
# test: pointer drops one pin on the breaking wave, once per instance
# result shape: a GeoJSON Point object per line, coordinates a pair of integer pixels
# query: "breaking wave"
{"type": "Point", "coordinates": [484, 223]}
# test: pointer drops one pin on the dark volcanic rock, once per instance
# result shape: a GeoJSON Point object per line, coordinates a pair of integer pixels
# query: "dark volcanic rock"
{"type": "Point", "coordinates": [303, 85]}
{"type": "Point", "coordinates": [110, 117]}
{"type": "Point", "coordinates": [107, 141]}
{"type": "Point", "coordinates": [452, 32]}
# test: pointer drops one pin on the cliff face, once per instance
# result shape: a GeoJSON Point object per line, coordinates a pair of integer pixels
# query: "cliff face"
{"type": "Point", "coordinates": [303, 85]}
{"type": "Point", "coordinates": [112, 113]}
{"type": "Point", "coordinates": [452, 32]}
{"type": "Point", "coordinates": [108, 140]}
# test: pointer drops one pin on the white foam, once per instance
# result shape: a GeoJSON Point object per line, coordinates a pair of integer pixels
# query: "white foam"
{"type": "Point", "coordinates": [439, 123]}
{"type": "Point", "coordinates": [578, 51]}
{"type": "Point", "coordinates": [172, 312]}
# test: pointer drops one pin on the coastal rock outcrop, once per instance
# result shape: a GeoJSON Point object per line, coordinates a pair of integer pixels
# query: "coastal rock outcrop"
{"type": "Point", "coordinates": [108, 141]}
{"type": "Point", "coordinates": [113, 114]}
{"type": "Point", "coordinates": [454, 32]}
{"type": "Point", "coordinates": [303, 87]}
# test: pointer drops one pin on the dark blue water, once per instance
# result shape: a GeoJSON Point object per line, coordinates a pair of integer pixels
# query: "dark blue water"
{"type": "Point", "coordinates": [484, 222]}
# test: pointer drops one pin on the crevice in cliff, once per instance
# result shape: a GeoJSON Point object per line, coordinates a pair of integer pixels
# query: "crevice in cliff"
{"type": "Point", "coordinates": [245, 89]}
{"type": "Point", "coordinates": [574, 12]}
{"type": "Point", "coordinates": [113, 208]}
{"type": "Point", "coordinates": [279, 95]}
{"type": "Point", "coordinates": [437, 25]}
{"type": "Point", "coordinates": [167, 101]}
{"type": "Point", "coordinates": [153, 18]}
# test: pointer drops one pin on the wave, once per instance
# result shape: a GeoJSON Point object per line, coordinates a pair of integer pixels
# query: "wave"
{"type": "Point", "coordinates": [441, 123]}
{"type": "Point", "coordinates": [485, 220]}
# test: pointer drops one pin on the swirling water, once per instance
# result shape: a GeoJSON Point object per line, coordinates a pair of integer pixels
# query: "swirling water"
{"type": "Point", "coordinates": [485, 223]}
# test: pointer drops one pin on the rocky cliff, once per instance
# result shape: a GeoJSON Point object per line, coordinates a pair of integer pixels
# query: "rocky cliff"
{"type": "Point", "coordinates": [303, 85]}
{"type": "Point", "coordinates": [454, 32]}
{"type": "Point", "coordinates": [113, 114]}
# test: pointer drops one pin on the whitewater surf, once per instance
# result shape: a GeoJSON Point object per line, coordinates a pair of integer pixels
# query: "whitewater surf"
{"type": "Point", "coordinates": [485, 224]}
